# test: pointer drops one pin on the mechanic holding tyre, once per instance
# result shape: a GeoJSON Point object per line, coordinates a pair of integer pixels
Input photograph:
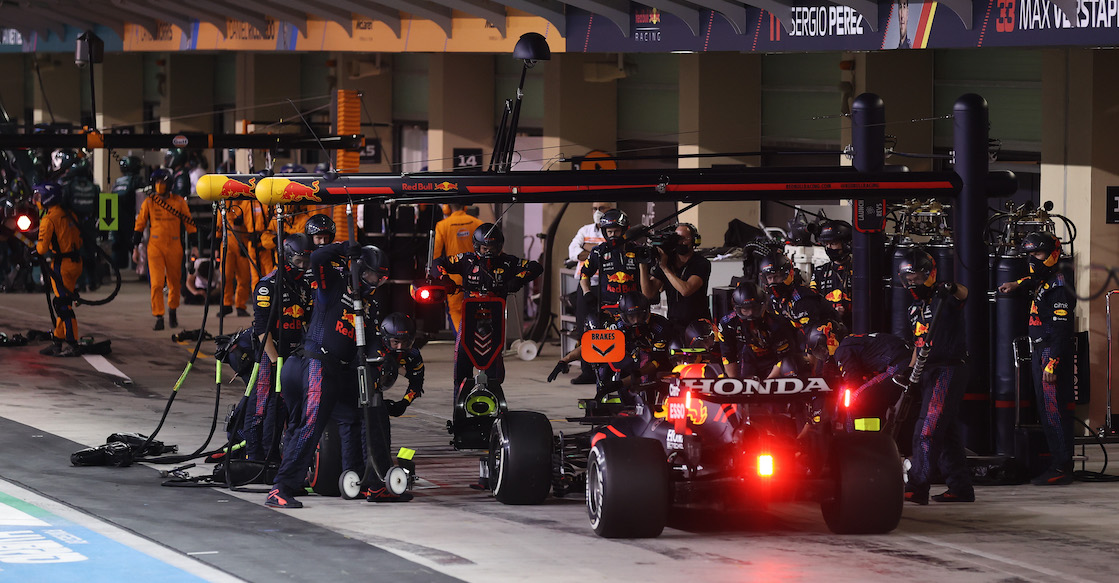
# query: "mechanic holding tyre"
{"type": "Point", "coordinates": [943, 380]}
{"type": "Point", "coordinates": [313, 385]}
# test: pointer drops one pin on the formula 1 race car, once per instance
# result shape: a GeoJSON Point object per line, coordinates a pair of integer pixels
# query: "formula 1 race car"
{"type": "Point", "coordinates": [730, 442]}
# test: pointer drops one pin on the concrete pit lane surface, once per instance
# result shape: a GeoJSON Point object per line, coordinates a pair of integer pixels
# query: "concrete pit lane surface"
{"type": "Point", "coordinates": [63, 523]}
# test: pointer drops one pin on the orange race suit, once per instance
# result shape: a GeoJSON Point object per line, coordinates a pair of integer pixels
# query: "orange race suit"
{"type": "Point", "coordinates": [167, 216]}
{"type": "Point", "coordinates": [454, 235]}
{"type": "Point", "coordinates": [235, 253]}
{"type": "Point", "coordinates": [60, 242]}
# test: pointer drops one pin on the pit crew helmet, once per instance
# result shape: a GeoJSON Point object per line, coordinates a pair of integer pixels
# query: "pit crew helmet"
{"type": "Point", "coordinates": [749, 301]}
{"type": "Point", "coordinates": [917, 273]}
{"type": "Point", "coordinates": [297, 251]}
{"type": "Point", "coordinates": [490, 236]}
{"type": "Point", "coordinates": [613, 219]}
{"type": "Point", "coordinates": [836, 232]}
{"type": "Point", "coordinates": [777, 272]}
{"type": "Point", "coordinates": [634, 308]}
{"type": "Point", "coordinates": [320, 225]}
{"type": "Point", "coordinates": [399, 327]}
{"type": "Point", "coordinates": [1046, 243]}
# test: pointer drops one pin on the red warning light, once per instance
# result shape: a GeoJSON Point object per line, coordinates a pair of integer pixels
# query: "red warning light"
{"type": "Point", "coordinates": [429, 294]}
{"type": "Point", "coordinates": [765, 465]}
{"type": "Point", "coordinates": [24, 223]}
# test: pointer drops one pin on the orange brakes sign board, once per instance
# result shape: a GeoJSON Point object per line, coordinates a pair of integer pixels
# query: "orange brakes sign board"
{"type": "Point", "coordinates": [603, 346]}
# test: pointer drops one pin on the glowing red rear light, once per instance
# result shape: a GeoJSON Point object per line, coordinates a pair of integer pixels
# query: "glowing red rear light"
{"type": "Point", "coordinates": [847, 398]}
{"type": "Point", "coordinates": [765, 465]}
{"type": "Point", "coordinates": [23, 223]}
{"type": "Point", "coordinates": [425, 294]}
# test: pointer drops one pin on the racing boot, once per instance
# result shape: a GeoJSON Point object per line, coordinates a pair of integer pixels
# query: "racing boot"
{"type": "Point", "coordinates": [917, 497]}
{"type": "Point", "coordinates": [950, 496]}
{"type": "Point", "coordinates": [242, 313]}
{"type": "Point", "coordinates": [69, 349]}
{"type": "Point", "coordinates": [226, 310]}
{"type": "Point", "coordinates": [1053, 477]}
{"type": "Point", "coordinates": [278, 498]}
{"type": "Point", "coordinates": [382, 494]}
{"type": "Point", "coordinates": [172, 318]}
{"type": "Point", "coordinates": [158, 323]}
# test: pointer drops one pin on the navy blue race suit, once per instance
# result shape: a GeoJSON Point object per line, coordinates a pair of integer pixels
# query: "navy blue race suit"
{"type": "Point", "coordinates": [942, 385]}
{"type": "Point", "coordinates": [618, 270]}
{"type": "Point", "coordinates": [756, 346]}
{"type": "Point", "coordinates": [326, 373]}
{"type": "Point", "coordinates": [867, 362]}
{"type": "Point", "coordinates": [485, 277]}
{"type": "Point", "coordinates": [832, 281]}
{"type": "Point", "coordinates": [264, 414]}
{"type": "Point", "coordinates": [1052, 327]}
{"type": "Point", "coordinates": [800, 305]}
{"type": "Point", "coordinates": [646, 354]}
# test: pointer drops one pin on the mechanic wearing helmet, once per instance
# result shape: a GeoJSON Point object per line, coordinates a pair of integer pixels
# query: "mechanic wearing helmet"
{"type": "Point", "coordinates": [756, 343]}
{"type": "Point", "coordinates": [615, 262]}
{"type": "Point", "coordinates": [682, 274]}
{"type": "Point", "coordinates": [1052, 327]}
{"type": "Point", "coordinates": [833, 279]}
{"type": "Point", "coordinates": [822, 339]}
{"type": "Point", "coordinates": [788, 298]}
{"type": "Point", "coordinates": [869, 362]}
{"type": "Point", "coordinates": [647, 337]}
{"type": "Point", "coordinates": [943, 382]}
{"type": "Point", "coordinates": [314, 383]}
{"type": "Point", "coordinates": [485, 272]}
{"type": "Point", "coordinates": [697, 350]}
{"type": "Point", "coordinates": [125, 188]}
{"type": "Point", "coordinates": [321, 230]}
{"type": "Point", "coordinates": [397, 333]}
{"type": "Point", "coordinates": [454, 235]}
{"type": "Point", "coordinates": [168, 215]}
{"type": "Point", "coordinates": [285, 322]}
{"type": "Point", "coordinates": [295, 221]}
{"type": "Point", "coordinates": [60, 244]}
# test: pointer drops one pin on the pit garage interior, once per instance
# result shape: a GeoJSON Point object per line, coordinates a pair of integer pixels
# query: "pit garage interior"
{"type": "Point", "coordinates": [660, 86]}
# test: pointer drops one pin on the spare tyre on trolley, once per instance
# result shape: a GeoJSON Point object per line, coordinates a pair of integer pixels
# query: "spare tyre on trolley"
{"type": "Point", "coordinates": [521, 457]}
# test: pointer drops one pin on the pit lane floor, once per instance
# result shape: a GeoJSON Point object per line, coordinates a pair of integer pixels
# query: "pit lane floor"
{"type": "Point", "coordinates": [126, 526]}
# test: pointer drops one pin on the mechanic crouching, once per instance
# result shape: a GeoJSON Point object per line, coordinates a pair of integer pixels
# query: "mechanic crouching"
{"type": "Point", "coordinates": [755, 343]}
{"type": "Point", "coordinates": [647, 337]}
{"type": "Point", "coordinates": [313, 384]}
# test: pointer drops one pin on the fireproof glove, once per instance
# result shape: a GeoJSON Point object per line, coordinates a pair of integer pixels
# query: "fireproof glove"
{"type": "Point", "coordinates": [353, 251]}
{"type": "Point", "coordinates": [561, 366]}
{"type": "Point", "coordinates": [946, 288]}
{"type": "Point", "coordinates": [396, 408]}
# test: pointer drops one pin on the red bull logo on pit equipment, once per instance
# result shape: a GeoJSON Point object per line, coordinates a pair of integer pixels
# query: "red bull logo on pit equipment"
{"type": "Point", "coordinates": [231, 188]}
{"type": "Point", "coordinates": [296, 192]}
{"type": "Point", "coordinates": [446, 186]}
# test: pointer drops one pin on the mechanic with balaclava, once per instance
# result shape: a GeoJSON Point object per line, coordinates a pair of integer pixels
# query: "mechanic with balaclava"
{"type": "Point", "coordinates": [615, 262]}
{"type": "Point", "coordinates": [168, 215]}
{"type": "Point", "coordinates": [487, 272]}
{"type": "Point", "coordinates": [586, 238]}
{"type": "Point", "coordinates": [312, 384]}
{"type": "Point", "coordinates": [789, 299]}
{"type": "Point", "coordinates": [833, 279]}
{"type": "Point", "coordinates": [272, 325]}
{"type": "Point", "coordinates": [648, 337]}
{"type": "Point", "coordinates": [755, 343]}
{"type": "Point", "coordinates": [60, 244]}
{"type": "Point", "coordinates": [1052, 329]}
{"type": "Point", "coordinates": [454, 235]}
{"type": "Point", "coordinates": [321, 229]}
{"type": "Point", "coordinates": [942, 383]}
{"type": "Point", "coordinates": [821, 340]}
{"type": "Point", "coordinates": [682, 274]}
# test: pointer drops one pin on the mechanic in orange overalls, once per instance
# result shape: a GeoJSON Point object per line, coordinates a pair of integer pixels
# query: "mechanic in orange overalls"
{"type": "Point", "coordinates": [235, 260]}
{"type": "Point", "coordinates": [453, 235]}
{"type": "Point", "coordinates": [168, 215]}
{"type": "Point", "coordinates": [60, 243]}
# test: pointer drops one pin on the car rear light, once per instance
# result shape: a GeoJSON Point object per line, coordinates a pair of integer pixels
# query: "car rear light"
{"type": "Point", "coordinates": [765, 465]}
{"type": "Point", "coordinates": [24, 223]}
{"type": "Point", "coordinates": [429, 294]}
{"type": "Point", "coordinates": [846, 398]}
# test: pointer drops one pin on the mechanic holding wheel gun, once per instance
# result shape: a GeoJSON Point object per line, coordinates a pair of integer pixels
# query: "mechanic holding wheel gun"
{"type": "Point", "coordinates": [397, 333]}
{"type": "Point", "coordinates": [313, 384]}
{"type": "Point", "coordinates": [943, 380]}
{"type": "Point", "coordinates": [487, 272]}
{"type": "Point", "coordinates": [1052, 327]}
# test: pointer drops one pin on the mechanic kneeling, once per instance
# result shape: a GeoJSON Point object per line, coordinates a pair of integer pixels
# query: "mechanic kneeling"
{"type": "Point", "coordinates": [755, 343]}
{"type": "Point", "coordinates": [647, 338]}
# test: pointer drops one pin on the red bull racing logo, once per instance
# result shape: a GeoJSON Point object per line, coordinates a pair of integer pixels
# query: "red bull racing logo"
{"type": "Point", "coordinates": [296, 192]}
{"type": "Point", "coordinates": [446, 186]}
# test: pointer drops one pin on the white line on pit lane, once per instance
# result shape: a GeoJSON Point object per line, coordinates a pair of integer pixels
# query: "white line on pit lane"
{"type": "Point", "coordinates": [103, 365]}
{"type": "Point", "coordinates": [121, 536]}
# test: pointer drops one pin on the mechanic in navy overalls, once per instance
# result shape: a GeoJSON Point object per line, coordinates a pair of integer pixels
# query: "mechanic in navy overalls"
{"type": "Point", "coordinates": [868, 363]}
{"type": "Point", "coordinates": [1052, 327]}
{"type": "Point", "coordinates": [755, 343]}
{"type": "Point", "coordinates": [789, 299]}
{"type": "Point", "coordinates": [487, 272]}
{"type": "Point", "coordinates": [264, 416]}
{"type": "Point", "coordinates": [616, 262]}
{"type": "Point", "coordinates": [647, 338]}
{"type": "Point", "coordinates": [832, 280]}
{"type": "Point", "coordinates": [326, 372]}
{"type": "Point", "coordinates": [942, 384]}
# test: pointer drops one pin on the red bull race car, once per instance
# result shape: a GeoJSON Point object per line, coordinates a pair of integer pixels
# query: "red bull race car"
{"type": "Point", "coordinates": [728, 443]}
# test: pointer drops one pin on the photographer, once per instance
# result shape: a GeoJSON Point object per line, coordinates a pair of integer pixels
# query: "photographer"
{"type": "Point", "coordinates": [680, 272]}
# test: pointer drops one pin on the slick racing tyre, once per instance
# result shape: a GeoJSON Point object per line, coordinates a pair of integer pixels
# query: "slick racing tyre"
{"type": "Point", "coordinates": [326, 467]}
{"type": "Point", "coordinates": [627, 488]}
{"type": "Point", "coordinates": [521, 457]}
{"type": "Point", "coordinates": [869, 485]}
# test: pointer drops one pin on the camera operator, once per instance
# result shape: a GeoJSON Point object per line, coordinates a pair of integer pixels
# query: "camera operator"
{"type": "Point", "coordinates": [680, 272]}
